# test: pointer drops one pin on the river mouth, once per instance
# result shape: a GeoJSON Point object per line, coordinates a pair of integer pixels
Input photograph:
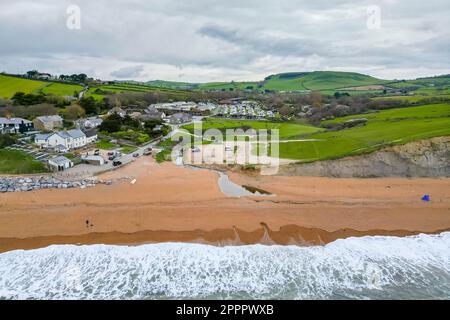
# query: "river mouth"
{"type": "Point", "coordinates": [231, 189]}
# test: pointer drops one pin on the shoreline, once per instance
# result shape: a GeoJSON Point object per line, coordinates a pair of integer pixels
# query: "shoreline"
{"type": "Point", "coordinates": [286, 235]}
{"type": "Point", "coordinates": [175, 204]}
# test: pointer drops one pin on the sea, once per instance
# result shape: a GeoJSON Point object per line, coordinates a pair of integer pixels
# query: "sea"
{"type": "Point", "coordinates": [372, 267]}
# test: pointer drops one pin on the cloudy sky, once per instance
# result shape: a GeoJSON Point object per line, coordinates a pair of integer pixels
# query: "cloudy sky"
{"type": "Point", "coordinates": [209, 40]}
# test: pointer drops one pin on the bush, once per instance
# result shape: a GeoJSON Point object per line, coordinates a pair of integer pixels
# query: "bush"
{"type": "Point", "coordinates": [7, 140]}
{"type": "Point", "coordinates": [28, 99]}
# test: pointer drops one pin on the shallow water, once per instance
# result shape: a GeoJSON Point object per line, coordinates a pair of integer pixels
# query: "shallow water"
{"type": "Point", "coordinates": [353, 268]}
{"type": "Point", "coordinates": [231, 189]}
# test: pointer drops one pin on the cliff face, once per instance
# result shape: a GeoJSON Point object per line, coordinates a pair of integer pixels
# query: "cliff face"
{"type": "Point", "coordinates": [426, 158]}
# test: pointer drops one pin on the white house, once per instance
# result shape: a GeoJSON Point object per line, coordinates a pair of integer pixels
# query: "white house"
{"type": "Point", "coordinates": [50, 140]}
{"type": "Point", "coordinates": [91, 136]}
{"type": "Point", "coordinates": [91, 123]}
{"type": "Point", "coordinates": [64, 140]}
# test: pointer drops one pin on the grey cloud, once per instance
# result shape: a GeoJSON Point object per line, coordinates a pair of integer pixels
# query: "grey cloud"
{"type": "Point", "coordinates": [218, 40]}
{"type": "Point", "coordinates": [128, 72]}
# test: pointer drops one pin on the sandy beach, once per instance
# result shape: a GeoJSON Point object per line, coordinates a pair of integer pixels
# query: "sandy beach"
{"type": "Point", "coordinates": [170, 203]}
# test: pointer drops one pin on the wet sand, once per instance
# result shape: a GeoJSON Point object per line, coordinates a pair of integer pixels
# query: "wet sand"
{"type": "Point", "coordinates": [169, 203]}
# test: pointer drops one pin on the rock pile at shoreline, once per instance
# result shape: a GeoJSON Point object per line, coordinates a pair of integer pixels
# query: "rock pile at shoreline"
{"type": "Point", "coordinates": [13, 184]}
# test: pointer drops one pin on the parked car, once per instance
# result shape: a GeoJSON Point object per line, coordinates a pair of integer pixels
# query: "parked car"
{"type": "Point", "coordinates": [117, 163]}
{"type": "Point", "coordinates": [110, 154]}
{"type": "Point", "coordinates": [147, 152]}
{"type": "Point", "coordinates": [136, 155]}
{"type": "Point", "coordinates": [97, 152]}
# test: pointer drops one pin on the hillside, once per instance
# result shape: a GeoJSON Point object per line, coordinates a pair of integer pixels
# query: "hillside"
{"type": "Point", "coordinates": [319, 80]}
{"type": "Point", "coordinates": [9, 85]}
{"type": "Point", "coordinates": [293, 81]}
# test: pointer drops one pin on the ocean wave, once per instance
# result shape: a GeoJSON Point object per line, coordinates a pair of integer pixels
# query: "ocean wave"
{"type": "Point", "coordinates": [354, 268]}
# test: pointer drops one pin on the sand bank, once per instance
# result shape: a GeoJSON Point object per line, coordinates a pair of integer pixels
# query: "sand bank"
{"type": "Point", "coordinates": [169, 203]}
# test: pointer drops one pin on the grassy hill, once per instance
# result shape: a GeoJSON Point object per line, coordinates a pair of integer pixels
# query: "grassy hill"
{"type": "Point", "coordinates": [319, 80]}
{"type": "Point", "coordinates": [384, 128]}
{"type": "Point", "coordinates": [172, 84]}
{"type": "Point", "coordinates": [293, 81]}
{"type": "Point", "coordinates": [10, 85]}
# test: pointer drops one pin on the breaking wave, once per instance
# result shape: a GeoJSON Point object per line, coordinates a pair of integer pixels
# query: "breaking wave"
{"type": "Point", "coordinates": [354, 268]}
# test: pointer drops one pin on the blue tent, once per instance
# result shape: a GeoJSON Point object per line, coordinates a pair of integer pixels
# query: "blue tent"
{"type": "Point", "coordinates": [426, 198]}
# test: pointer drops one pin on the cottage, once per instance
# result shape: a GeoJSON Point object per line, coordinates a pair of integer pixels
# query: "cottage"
{"type": "Point", "coordinates": [91, 135]}
{"type": "Point", "coordinates": [59, 163]}
{"type": "Point", "coordinates": [135, 115]}
{"type": "Point", "coordinates": [91, 123]}
{"type": "Point", "coordinates": [117, 110]}
{"type": "Point", "coordinates": [15, 125]}
{"type": "Point", "coordinates": [152, 114]}
{"type": "Point", "coordinates": [48, 123]}
{"type": "Point", "coordinates": [179, 118]}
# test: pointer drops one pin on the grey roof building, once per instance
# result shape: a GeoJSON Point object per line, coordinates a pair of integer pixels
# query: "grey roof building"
{"type": "Point", "coordinates": [15, 125]}
{"type": "Point", "coordinates": [178, 118]}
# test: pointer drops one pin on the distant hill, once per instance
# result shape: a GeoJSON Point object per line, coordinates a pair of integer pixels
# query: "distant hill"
{"type": "Point", "coordinates": [172, 84]}
{"type": "Point", "coordinates": [328, 82]}
{"type": "Point", "coordinates": [319, 80]}
{"type": "Point", "coordinates": [292, 81]}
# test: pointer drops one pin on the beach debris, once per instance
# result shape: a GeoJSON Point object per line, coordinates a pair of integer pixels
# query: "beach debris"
{"type": "Point", "coordinates": [133, 181]}
{"type": "Point", "coordinates": [426, 198]}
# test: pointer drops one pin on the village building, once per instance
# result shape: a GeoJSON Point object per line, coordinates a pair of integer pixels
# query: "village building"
{"type": "Point", "coordinates": [179, 118]}
{"type": "Point", "coordinates": [117, 110]}
{"type": "Point", "coordinates": [91, 123]}
{"type": "Point", "coordinates": [59, 163]}
{"type": "Point", "coordinates": [91, 135]}
{"type": "Point", "coordinates": [135, 115]}
{"type": "Point", "coordinates": [152, 114]}
{"type": "Point", "coordinates": [15, 125]}
{"type": "Point", "coordinates": [48, 123]}
{"type": "Point", "coordinates": [64, 140]}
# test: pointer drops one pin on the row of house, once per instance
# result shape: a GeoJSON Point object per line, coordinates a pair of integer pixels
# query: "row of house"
{"type": "Point", "coordinates": [64, 141]}
{"type": "Point", "coordinates": [19, 125]}
{"type": "Point", "coordinates": [153, 113]}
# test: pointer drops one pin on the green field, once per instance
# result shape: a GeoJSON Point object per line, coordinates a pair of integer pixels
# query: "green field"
{"type": "Point", "coordinates": [61, 89]}
{"type": "Point", "coordinates": [420, 112]}
{"type": "Point", "coordinates": [10, 85]}
{"type": "Point", "coordinates": [286, 130]}
{"type": "Point", "coordinates": [99, 92]}
{"type": "Point", "coordinates": [16, 162]}
{"type": "Point", "coordinates": [390, 127]}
